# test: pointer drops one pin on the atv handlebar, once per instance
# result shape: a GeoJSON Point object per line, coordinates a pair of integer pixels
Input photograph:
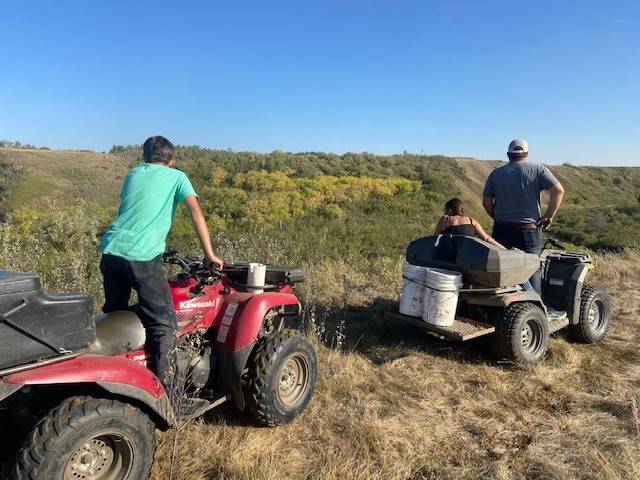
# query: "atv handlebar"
{"type": "Point", "coordinates": [194, 267]}
{"type": "Point", "coordinates": [554, 242]}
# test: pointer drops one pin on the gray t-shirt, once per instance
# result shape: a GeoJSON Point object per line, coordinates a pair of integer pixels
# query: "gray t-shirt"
{"type": "Point", "coordinates": [516, 188]}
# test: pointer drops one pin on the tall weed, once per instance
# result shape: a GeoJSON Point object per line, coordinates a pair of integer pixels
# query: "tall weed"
{"type": "Point", "coordinates": [60, 245]}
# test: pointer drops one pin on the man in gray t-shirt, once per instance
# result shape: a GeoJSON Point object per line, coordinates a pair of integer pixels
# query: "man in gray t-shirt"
{"type": "Point", "coordinates": [512, 198]}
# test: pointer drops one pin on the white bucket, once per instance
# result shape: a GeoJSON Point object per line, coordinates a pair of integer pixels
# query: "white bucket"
{"type": "Point", "coordinates": [255, 278]}
{"type": "Point", "coordinates": [412, 290]}
{"type": "Point", "coordinates": [441, 296]}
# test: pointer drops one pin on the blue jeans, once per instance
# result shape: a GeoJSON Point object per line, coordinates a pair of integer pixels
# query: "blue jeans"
{"type": "Point", "coordinates": [528, 240]}
{"type": "Point", "coordinates": [155, 307]}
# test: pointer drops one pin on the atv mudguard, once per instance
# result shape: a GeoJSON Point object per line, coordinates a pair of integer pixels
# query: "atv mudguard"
{"type": "Point", "coordinates": [115, 375]}
{"type": "Point", "coordinates": [574, 291]}
{"type": "Point", "coordinates": [8, 389]}
{"type": "Point", "coordinates": [503, 300]}
{"type": "Point", "coordinates": [238, 332]}
{"type": "Point", "coordinates": [248, 316]}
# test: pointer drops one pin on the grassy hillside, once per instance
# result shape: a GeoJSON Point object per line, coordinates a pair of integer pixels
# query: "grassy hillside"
{"type": "Point", "coordinates": [357, 196]}
{"type": "Point", "coordinates": [39, 178]}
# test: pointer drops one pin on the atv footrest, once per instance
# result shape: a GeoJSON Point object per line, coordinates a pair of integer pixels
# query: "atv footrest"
{"type": "Point", "coordinates": [558, 324]}
{"type": "Point", "coordinates": [463, 329]}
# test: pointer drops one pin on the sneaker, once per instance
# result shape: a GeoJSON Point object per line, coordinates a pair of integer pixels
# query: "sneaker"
{"type": "Point", "coordinates": [555, 315]}
{"type": "Point", "coordinates": [192, 408]}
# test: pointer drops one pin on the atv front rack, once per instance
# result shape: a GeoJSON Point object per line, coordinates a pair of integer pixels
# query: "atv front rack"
{"type": "Point", "coordinates": [237, 272]}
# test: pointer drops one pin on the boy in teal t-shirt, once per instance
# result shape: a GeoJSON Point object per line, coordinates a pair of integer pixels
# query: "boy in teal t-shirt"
{"type": "Point", "coordinates": [133, 244]}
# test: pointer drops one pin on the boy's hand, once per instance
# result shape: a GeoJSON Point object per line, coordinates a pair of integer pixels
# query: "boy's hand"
{"type": "Point", "coordinates": [213, 263]}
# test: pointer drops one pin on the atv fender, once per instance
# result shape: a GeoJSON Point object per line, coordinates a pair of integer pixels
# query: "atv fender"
{"type": "Point", "coordinates": [238, 332]}
{"type": "Point", "coordinates": [229, 372]}
{"type": "Point", "coordinates": [241, 322]}
{"type": "Point", "coordinates": [503, 300]}
{"type": "Point", "coordinates": [574, 291]}
{"type": "Point", "coordinates": [114, 374]}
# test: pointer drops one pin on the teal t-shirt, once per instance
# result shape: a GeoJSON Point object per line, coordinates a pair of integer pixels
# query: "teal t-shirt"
{"type": "Point", "coordinates": [148, 201]}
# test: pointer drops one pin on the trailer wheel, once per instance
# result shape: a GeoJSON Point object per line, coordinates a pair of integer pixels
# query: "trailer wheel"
{"type": "Point", "coordinates": [522, 333]}
{"type": "Point", "coordinates": [595, 315]}
{"type": "Point", "coordinates": [89, 438]}
{"type": "Point", "coordinates": [282, 378]}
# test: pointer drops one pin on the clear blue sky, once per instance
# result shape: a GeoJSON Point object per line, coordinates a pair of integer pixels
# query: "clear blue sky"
{"type": "Point", "coordinates": [458, 78]}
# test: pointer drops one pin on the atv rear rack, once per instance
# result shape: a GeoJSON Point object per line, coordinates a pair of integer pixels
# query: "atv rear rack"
{"type": "Point", "coordinates": [463, 329]}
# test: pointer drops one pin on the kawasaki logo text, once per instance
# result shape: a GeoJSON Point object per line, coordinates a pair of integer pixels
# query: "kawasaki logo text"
{"type": "Point", "coordinates": [189, 304]}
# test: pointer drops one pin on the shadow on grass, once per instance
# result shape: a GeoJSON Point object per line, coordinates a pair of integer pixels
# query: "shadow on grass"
{"type": "Point", "coordinates": [368, 331]}
{"type": "Point", "coordinates": [227, 414]}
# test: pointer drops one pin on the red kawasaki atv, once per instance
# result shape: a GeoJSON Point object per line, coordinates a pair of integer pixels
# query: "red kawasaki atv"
{"type": "Point", "coordinates": [77, 397]}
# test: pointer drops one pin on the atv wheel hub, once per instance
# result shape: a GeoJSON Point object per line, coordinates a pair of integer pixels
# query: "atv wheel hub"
{"type": "Point", "coordinates": [293, 379]}
{"type": "Point", "coordinates": [531, 337]}
{"type": "Point", "coordinates": [594, 316]}
{"type": "Point", "coordinates": [527, 336]}
{"type": "Point", "coordinates": [101, 458]}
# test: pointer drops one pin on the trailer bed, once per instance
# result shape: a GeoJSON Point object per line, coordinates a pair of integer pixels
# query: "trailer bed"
{"type": "Point", "coordinates": [463, 329]}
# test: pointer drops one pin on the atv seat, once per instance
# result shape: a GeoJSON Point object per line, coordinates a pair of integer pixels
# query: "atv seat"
{"type": "Point", "coordinates": [35, 326]}
{"type": "Point", "coordinates": [117, 333]}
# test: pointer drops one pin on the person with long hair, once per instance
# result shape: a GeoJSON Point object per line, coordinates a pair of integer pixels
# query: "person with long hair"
{"type": "Point", "coordinates": [455, 222]}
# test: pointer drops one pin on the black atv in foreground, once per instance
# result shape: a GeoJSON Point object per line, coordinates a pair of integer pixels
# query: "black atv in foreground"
{"type": "Point", "coordinates": [492, 302]}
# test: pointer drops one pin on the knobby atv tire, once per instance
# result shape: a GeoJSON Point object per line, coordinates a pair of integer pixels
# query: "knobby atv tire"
{"type": "Point", "coordinates": [282, 378]}
{"type": "Point", "coordinates": [92, 439]}
{"type": "Point", "coordinates": [595, 315]}
{"type": "Point", "coordinates": [522, 333]}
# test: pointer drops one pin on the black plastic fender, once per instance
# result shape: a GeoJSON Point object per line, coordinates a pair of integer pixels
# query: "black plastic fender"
{"type": "Point", "coordinates": [160, 406]}
{"type": "Point", "coordinates": [503, 300]}
{"type": "Point", "coordinates": [574, 291]}
{"type": "Point", "coordinates": [229, 369]}
{"type": "Point", "coordinates": [8, 389]}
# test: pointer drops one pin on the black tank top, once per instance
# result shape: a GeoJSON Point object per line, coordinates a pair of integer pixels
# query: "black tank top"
{"type": "Point", "coordinates": [467, 229]}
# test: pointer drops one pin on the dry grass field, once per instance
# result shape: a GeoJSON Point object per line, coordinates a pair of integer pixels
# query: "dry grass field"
{"type": "Point", "coordinates": [392, 403]}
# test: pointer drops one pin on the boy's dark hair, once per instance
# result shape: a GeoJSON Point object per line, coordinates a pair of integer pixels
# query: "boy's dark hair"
{"type": "Point", "coordinates": [157, 149]}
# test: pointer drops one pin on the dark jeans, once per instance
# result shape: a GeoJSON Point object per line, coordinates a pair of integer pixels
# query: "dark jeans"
{"type": "Point", "coordinates": [155, 308]}
{"type": "Point", "coordinates": [526, 239]}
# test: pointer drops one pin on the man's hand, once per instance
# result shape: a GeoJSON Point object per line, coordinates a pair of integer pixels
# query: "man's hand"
{"type": "Point", "coordinates": [213, 263]}
{"type": "Point", "coordinates": [557, 194]}
{"type": "Point", "coordinates": [544, 222]}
